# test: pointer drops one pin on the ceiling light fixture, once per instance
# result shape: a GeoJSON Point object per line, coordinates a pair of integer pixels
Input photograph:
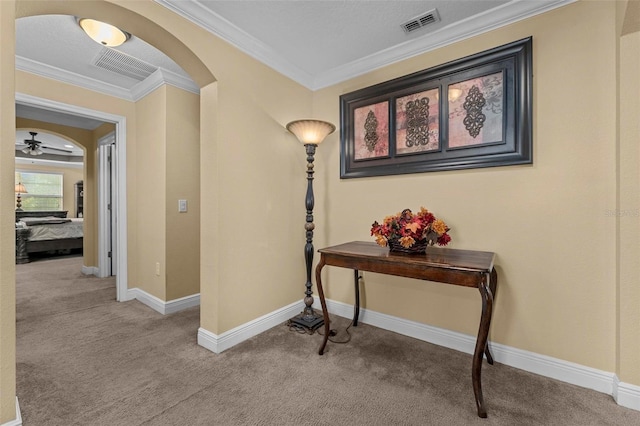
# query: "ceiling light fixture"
{"type": "Point", "coordinates": [105, 34]}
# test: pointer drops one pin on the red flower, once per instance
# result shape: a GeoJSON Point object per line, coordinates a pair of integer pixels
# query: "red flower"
{"type": "Point", "coordinates": [444, 239]}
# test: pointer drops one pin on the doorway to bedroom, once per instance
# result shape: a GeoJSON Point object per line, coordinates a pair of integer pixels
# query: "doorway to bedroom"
{"type": "Point", "coordinates": [96, 196]}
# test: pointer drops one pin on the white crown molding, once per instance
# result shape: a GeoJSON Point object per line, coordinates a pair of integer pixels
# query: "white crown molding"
{"type": "Point", "coordinates": [215, 24]}
{"type": "Point", "coordinates": [52, 163]}
{"type": "Point", "coordinates": [54, 73]}
{"type": "Point", "coordinates": [161, 77]}
{"type": "Point", "coordinates": [506, 14]}
{"type": "Point", "coordinates": [137, 92]}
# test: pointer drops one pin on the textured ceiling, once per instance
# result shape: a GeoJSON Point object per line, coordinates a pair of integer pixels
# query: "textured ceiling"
{"type": "Point", "coordinates": [314, 42]}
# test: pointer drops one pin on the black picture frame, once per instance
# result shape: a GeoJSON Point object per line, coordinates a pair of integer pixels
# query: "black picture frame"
{"type": "Point", "coordinates": [485, 120]}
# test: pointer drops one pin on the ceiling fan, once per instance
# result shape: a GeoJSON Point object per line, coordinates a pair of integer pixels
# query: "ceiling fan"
{"type": "Point", "coordinates": [33, 147]}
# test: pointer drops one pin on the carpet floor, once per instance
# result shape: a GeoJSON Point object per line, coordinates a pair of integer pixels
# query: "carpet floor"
{"type": "Point", "coordinates": [85, 359]}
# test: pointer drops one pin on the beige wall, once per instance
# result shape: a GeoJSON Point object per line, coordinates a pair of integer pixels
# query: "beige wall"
{"type": "Point", "coordinates": [7, 216]}
{"type": "Point", "coordinates": [628, 308]}
{"type": "Point", "coordinates": [549, 222]}
{"type": "Point", "coordinates": [150, 204]}
{"type": "Point", "coordinates": [182, 182]}
{"type": "Point", "coordinates": [169, 255]}
{"type": "Point", "coordinates": [556, 245]}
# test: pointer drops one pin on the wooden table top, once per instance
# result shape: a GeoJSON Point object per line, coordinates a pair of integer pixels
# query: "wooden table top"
{"type": "Point", "coordinates": [435, 257]}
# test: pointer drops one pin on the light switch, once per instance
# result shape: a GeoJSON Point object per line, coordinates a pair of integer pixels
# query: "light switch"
{"type": "Point", "coordinates": [182, 206]}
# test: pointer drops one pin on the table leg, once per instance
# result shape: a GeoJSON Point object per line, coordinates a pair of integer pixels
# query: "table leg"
{"type": "Point", "coordinates": [481, 345]}
{"type": "Point", "coordinates": [356, 307]}
{"type": "Point", "coordinates": [493, 283]}
{"type": "Point", "coordinates": [323, 303]}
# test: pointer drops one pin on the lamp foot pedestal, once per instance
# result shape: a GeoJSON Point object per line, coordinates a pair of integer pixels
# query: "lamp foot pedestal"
{"type": "Point", "coordinates": [305, 322]}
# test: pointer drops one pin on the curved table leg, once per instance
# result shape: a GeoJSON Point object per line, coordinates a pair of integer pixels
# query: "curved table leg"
{"type": "Point", "coordinates": [493, 283]}
{"type": "Point", "coordinates": [356, 306]}
{"type": "Point", "coordinates": [323, 303]}
{"type": "Point", "coordinates": [481, 345]}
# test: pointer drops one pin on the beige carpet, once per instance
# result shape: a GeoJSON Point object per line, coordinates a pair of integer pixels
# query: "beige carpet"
{"type": "Point", "coordinates": [84, 359]}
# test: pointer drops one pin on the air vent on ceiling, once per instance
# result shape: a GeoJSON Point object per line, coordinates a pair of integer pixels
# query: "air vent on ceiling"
{"type": "Point", "coordinates": [418, 22]}
{"type": "Point", "coordinates": [121, 63]}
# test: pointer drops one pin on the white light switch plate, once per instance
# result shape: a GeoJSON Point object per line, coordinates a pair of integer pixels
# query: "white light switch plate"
{"type": "Point", "coordinates": [182, 206]}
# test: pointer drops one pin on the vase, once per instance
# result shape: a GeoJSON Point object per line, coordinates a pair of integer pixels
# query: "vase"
{"type": "Point", "coordinates": [419, 247]}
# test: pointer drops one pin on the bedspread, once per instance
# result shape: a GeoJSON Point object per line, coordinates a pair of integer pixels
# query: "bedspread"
{"type": "Point", "coordinates": [72, 228]}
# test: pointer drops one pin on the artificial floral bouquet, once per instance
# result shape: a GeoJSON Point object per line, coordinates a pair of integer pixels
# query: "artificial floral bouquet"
{"type": "Point", "coordinates": [409, 229]}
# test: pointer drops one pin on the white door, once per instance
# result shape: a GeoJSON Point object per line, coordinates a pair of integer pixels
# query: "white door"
{"type": "Point", "coordinates": [107, 257]}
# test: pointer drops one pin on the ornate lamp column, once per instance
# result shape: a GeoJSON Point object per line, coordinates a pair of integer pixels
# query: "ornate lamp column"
{"type": "Point", "coordinates": [311, 133]}
{"type": "Point", "coordinates": [20, 189]}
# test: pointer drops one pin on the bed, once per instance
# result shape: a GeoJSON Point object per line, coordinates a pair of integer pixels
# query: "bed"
{"type": "Point", "coordinates": [46, 232]}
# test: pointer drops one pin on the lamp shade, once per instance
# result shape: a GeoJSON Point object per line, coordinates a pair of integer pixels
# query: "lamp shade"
{"type": "Point", "coordinates": [20, 189]}
{"type": "Point", "coordinates": [103, 33]}
{"type": "Point", "coordinates": [311, 131]}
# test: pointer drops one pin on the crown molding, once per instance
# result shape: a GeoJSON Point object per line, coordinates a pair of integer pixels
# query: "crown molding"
{"type": "Point", "coordinates": [139, 91]}
{"type": "Point", "coordinates": [196, 13]}
{"type": "Point", "coordinates": [55, 73]}
{"type": "Point", "coordinates": [159, 78]}
{"type": "Point", "coordinates": [506, 14]}
{"type": "Point", "coordinates": [53, 163]}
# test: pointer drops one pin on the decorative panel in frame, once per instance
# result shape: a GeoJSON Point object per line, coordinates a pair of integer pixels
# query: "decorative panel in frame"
{"type": "Point", "coordinates": [470, 113]}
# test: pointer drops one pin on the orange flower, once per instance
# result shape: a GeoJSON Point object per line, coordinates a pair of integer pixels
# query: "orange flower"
{"type": "Point", "coordinates": [382, 241]}
{"type": "Point", "coordinates": [439, 226]}
{"type": "Point", "coordinates": [407, 242]}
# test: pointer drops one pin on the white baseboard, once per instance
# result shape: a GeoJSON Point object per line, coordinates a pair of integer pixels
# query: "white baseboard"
{"type": "Point", "coordinates": [18, 420]}
{"type": "Point", "coordinates": [90, 270]}
{"type": "Point", "coordinates": [161, 306]}
{"type": "Point", "coordinates": [625, 394]}
{"type": "Point", "coordinates": [218, 343]}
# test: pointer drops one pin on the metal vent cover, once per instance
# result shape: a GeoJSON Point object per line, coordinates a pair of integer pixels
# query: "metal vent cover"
{"type": "Point", "coordinates": [418, 22]}
{"type": "Point", "coordinates": [121, 63]}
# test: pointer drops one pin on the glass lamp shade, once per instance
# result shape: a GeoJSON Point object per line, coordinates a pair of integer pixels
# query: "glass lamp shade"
{"type": "Point", "coordinates": [35, 151]}
{"type": "Point", "coordinates": [311, 131]}
{"type": "Point", "coordinates": [103, 33]}
{"type": "Point", "coordinates": [20, 189]}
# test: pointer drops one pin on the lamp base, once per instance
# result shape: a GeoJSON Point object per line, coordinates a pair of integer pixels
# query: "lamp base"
{"type": "Point", "coordinates": [305, 322]}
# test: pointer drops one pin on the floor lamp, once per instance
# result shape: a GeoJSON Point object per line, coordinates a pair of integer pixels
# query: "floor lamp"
{"type": "Point", "coordinates": [20, 189]}
{"type": "Point", "coordinates": [311, 133]}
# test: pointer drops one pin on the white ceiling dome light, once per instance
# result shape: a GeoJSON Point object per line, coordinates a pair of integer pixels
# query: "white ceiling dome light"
{"type": "Point", "coordinates": [103, 33]}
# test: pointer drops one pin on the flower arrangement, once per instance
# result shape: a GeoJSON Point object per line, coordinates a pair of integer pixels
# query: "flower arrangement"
{"type": "Point", "coordinates": [411, 231]}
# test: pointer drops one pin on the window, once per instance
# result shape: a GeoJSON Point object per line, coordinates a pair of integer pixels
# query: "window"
{"type": "Point", "coordinates": [44, 190]}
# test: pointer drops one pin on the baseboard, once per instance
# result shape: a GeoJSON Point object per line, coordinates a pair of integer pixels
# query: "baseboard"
{"type": "Point", "coordinates": [576, 374]}
{"type": "Point", "coordinates": [18, 420]}
{"type": "Point", "coordinates": [219, 343]}
{"type": "Point", "coordinates": [161, 306]}
{"type": "Point", "coordinates": [90, 270]}
{"type": "Point", "coordinates": [626, 394]}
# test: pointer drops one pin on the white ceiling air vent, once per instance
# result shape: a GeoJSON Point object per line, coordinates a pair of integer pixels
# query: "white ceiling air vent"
{"type": "Point", "coordinates": [418, 22]}
{"type": "Point", "coordinates": [121, 63]}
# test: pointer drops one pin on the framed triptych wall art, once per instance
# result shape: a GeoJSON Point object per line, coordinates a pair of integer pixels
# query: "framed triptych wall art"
{"type": "Point", "coordinates": [469, 113]}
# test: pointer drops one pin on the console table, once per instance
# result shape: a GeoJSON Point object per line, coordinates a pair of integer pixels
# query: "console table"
{"type": "Point", "coordinates": [458, 267]}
